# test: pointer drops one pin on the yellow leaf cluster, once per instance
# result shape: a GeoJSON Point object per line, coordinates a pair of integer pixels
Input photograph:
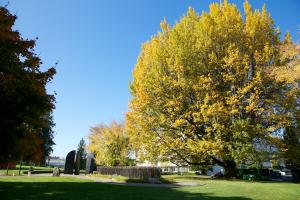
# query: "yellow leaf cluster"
{"type": "Point", "coordinates": [194, 80]}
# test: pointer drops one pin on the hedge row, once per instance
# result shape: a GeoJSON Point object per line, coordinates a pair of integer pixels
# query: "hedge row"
{"type": "Point", "coordinates": [143, 173]}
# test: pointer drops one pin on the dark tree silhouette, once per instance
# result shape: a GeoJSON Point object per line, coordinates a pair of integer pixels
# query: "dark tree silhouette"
{"type": "Point", "coordinates": [24, 101]}
{"type": "Point", "coordinates": [82, 151]}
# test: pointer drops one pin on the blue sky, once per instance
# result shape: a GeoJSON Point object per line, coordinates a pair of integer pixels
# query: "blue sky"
{"type": "Point", "coordinates": [96, 43]}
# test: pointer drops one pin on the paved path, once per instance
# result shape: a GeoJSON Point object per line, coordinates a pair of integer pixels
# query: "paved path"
{"type": "Point", "coordinates": [107, 181]}
{"type": "Point", "coordinates": [113, 182]}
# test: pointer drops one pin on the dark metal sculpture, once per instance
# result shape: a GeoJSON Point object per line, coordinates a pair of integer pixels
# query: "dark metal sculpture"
{"type": "Point", "coordinates": [69, 165]}
{"type": "Point", "coordinates": [77, 163]}
{"type": "Point", "coordinates": [90, 164]}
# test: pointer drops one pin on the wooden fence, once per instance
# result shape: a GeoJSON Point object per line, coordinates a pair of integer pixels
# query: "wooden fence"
{"type": "Point", "coordinates": [143, 173]}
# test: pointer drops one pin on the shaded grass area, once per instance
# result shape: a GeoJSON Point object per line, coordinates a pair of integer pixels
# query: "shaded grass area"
{"type": "Point", "coordinates": [74, 188]}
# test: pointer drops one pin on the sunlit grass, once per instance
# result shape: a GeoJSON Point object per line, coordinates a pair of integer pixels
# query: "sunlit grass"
{"type": "Point", "coordinates": [24, 170]}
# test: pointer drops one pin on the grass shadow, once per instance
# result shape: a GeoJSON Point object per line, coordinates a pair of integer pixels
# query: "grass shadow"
{"type": "Point", "coordinates": [90, 190]}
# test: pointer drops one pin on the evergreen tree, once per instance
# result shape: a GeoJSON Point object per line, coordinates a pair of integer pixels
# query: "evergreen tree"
{"type": "Point", "coordinates": [81, 149]}
{"type": "Point", "coordinates": [47, 136]}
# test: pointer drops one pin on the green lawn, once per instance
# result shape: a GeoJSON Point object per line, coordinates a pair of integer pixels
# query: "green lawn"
{"type": "Point", "coordinates": [72, 188]}
{"type": "Point", "coordinates": [24, 169]}
{"type": "Point", "coordinates": [10, 172]}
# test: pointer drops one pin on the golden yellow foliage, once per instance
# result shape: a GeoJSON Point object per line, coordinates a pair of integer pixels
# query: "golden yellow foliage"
{"type": "Point", "coordinates": [110, 144]}
{"type": "Point", "coordinates": [204, 85]}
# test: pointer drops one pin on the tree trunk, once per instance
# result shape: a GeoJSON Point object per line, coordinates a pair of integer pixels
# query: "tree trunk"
{"type": "Point", "coordinates": [230, 168]}
{"type": "Point", "coordinates": [20, 166]}
{"type": "Point", "coordinates": [7, 168]}
{"type": "Point", "coordinates": [228, 165]}
{"type": "Point", "coordinates": [251, 68]}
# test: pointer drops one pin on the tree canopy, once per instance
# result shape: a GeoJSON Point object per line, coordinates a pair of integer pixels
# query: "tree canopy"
{"type": "Point", "coordinates": [207, 91]}
{"type": "Point", "coordinates": [110, 144]}
{"type": "Point", "coordinates": [290, 75]}
{"type": "Point", "coordinates": [24, 102]}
